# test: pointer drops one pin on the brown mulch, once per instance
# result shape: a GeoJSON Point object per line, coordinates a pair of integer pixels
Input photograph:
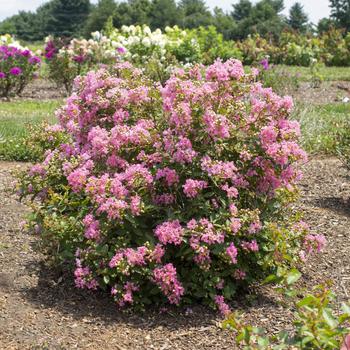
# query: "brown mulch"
{"type": "Point", "coordinates": [328, 92]}
{"type": "Point", "coordinates": [41, 310]}
{"type": "Point", "coordinates": [39, 89]}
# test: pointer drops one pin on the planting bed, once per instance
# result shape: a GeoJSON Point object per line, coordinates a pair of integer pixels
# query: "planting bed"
{"type": "Point", "coordinates": [40, 309]}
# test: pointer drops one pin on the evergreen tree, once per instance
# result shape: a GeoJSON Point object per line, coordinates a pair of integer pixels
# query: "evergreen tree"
{"type": "Point", "coordinates": [67, 17]}
{"type": "Point", "coordinates": [99, 15]}
{"type": "Point", "coordinates": [133, 12]}
{"type": "Point", "coordinates": [298, 19]}
{"type": "Point", "coordinates": [340, 12]}
{"type": "Point", "coordinates": [263, 18]}
{"type": "Point", "coordinates": [242, 10]}
{"type": "Point", "coordinates": [164, 13]}
{"type": "Point", "coordinates": [224, 23]}
{"type": "Point", "coordinates": [194, 13]}
{"type": "Point", "coordinates": [324, 25]}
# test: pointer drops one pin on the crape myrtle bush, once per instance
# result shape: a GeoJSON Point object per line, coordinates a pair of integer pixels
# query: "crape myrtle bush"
{"type": "Point", "coordinates": [175, 193]}
{"type": "Point", "coordinates": [18, 66]}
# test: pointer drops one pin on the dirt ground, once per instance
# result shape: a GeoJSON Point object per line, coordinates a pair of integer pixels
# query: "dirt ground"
{"type": "Point", "coordinates": [43, 89]}
{"type": "Point", "coordinates": [328, 92]}
{"type": "Point", "coordinates": [41, 310]}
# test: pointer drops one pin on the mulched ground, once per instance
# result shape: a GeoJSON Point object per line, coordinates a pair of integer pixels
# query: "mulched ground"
{"type": "Point", "coordinates": [40, 310]}
{"type": "Point", "coordinates": [328, 92]}
{"type": "Point", "coordinates": [39, 89]}
{"type": "Point", "coordinates": [43, 89]}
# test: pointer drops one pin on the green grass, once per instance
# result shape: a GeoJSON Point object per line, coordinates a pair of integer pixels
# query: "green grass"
{"type": "Point", "coordinates": [15, 116]}
{"type": "Point", "coordinates": [328, 73]}
{"type": "Point", "coordinates": [322, 126]}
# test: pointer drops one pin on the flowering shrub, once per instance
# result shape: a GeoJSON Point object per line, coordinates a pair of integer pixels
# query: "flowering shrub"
{"type": "Point", "coordinates": [68, 60]}
{"type": "Point", "coordinates": [332, 48]}
{"type": "Point", "coordinates": [201, 45]}
{"type": "Point", "coordinates": [18, 66]}
{"type": "Point", "coordinates": [157, 53]}
{"type": "Point", "coordinates": [175, 193]}
{"type": "Point", "coordinates": [7, 40]}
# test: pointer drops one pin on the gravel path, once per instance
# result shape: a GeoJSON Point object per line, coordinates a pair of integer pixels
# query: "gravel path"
{"type": "Point", "coordinates": [41, 310]}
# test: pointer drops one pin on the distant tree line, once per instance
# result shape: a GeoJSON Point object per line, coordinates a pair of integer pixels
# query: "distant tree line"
{"type": "Point", "coordinates": [68, 18]}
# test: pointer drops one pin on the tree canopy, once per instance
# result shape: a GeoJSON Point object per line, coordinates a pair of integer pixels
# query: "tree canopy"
{"type": "Point", "coordinates": [69, 18]}
{"type": "Point", "coordinates": [298, 19]}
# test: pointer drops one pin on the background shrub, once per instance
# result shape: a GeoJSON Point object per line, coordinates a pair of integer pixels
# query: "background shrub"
{"type": "Point", "coordinates": [17, 68]}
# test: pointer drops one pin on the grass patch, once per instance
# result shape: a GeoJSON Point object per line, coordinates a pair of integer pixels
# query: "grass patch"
{"type": "Point", "coordinates": [15, 116]}
{"type": "Point", "coordinates": [328, 73]}
{"type": "Point", "coordinates": [322, 126]}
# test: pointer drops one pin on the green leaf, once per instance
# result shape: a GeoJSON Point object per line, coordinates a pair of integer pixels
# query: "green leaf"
{"type": "Point", "coordinates": [272, 279]}
{"type": "Point", "coordinates": [263, 342]}
{"type": "Point", "coordinates": [306, 301]}
{"type": "Point", "coordinates": [345, 308]}
{"type": "Point", "coordinates": [327, 315]}
{"type": "Point", "coordinates": [106, 279]}
{"type": "Point", "coordinates": [292, 276]}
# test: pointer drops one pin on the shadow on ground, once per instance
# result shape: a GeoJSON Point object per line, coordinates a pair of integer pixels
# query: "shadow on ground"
{"type": "Point", "coordinates": [338, 205]}
{"type": "Point", "coordinates": [56, 290]}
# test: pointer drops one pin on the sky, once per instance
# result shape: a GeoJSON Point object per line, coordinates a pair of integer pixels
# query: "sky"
{"type": "Point", "coordinates": [316, 9]}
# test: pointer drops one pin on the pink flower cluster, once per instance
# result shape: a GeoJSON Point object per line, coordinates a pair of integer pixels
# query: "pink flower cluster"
{"type": "Point", "coordinates": [125, 296]}
{"type": "Point", "coordinates": [314, 242]}
{"type": "Point", "coordinates": [170, 232]}
{"type": "Point", "coordinates": [165, 277]}
{"type": "Point", "coordinates": [221, 305]}
{"type": "Point", "coordinates": [92, 227]}
{"type": "Point", "coordinates": [83, 277]}
{"type": "Point", "coordinates": [193, 187]}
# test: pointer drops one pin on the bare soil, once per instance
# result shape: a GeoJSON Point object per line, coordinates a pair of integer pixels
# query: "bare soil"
{"type": "Point", "coordinates": [40, 309]}
{"type": "Point", "coordinates": [327, 92]}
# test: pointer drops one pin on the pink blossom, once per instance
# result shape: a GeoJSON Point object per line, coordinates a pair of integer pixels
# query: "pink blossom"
{"type": "Point", "coordinates": [232, 252]}
{"type": "Point", "coordinates": [92, 227]}
{"type": "Point", "coordinates": [235, 225]}
{"type": "Point", "coordinates": [135, 205]}
{"type": "Point", "coordinates": [169, 175]}
{"type": "Point", "coordinates": [314, 242]}
{"type": "Point", "coordinates": [77, 178]}
{"type": "Point", "coordinates": [117, 258]}
{"type": "Point", "coordinates": [157, 253]}
{"type": "Point", "coordinates": [165, 277]}
{"type": "Point", "coordinates": [231, 191]}
{"type": "Point", "coordinates": [239, 274]}
{"type": "Point", "coordinates": [222, 306]}
{"type": "Point", "coordinates": [250, 246]}
{"type": "Point", "coordinates": [217, 126]}
{"type": "Point", "coordinates": [254, 227]}
{"type": "Point", "coordinates": [169, 232]}
{"type": "Point", "coordinates": [192, 187]}
{"type": "Point", "coordinates": [136, 257]}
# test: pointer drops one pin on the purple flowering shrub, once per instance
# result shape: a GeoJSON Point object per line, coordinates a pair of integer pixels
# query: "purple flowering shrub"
{"type": "Point", "coordinates": [17, 68]}
{"type": "Point", "coordinates": [179, 192]}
